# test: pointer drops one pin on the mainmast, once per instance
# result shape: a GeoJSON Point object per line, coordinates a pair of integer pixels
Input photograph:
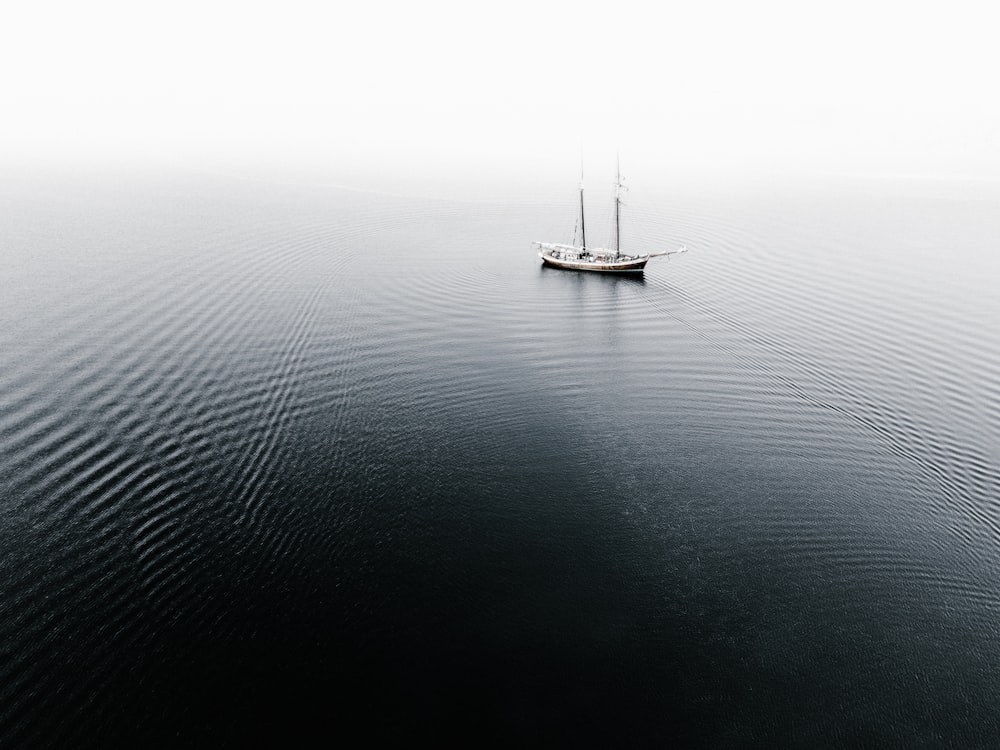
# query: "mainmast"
{"type": "Point", "coordinates": [583, 228]}
{"type": "Point", "coordinates": [618, 203]}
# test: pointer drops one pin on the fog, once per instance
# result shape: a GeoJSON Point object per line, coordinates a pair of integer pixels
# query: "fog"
{"type": "Point", "coordinates": [369, 91]}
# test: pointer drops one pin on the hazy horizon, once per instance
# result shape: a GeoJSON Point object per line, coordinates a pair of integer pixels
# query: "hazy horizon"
{"type": "Point", "coordinates": [387, 88]}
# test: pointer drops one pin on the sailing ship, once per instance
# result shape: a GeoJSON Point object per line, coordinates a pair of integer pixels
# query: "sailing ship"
{"type": "Point", "coordinates": [585, 258]}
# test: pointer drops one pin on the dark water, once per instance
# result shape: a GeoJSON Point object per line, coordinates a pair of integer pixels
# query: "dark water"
{"type": "Point", "coordinates": [280, 462]}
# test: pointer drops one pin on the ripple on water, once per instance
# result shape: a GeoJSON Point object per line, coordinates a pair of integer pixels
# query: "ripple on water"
{"type": "Point", "coordinates": [334, 400]}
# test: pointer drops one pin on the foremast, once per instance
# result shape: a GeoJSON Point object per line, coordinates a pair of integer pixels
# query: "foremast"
{"type": "Point", "coordinates": [583, 226]}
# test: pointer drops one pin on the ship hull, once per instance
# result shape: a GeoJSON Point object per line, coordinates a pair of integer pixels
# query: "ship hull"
{"type": "Point", "coordinates": [606, 266]}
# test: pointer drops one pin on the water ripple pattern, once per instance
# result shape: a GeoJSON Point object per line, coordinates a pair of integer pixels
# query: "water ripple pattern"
{"type": "Point", "coordinates": [275, 454]}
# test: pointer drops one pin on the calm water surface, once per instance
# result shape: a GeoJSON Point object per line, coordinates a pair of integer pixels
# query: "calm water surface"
{"type": "Point", "coordinates": [279, 462]}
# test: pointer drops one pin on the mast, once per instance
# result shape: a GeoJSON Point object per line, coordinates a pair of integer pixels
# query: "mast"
{"type": "Point", "coordinates": [583, 228]}
{"type": "Point", "coordinates": [618, 203]}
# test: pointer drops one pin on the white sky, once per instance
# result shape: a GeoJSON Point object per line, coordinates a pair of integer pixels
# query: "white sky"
{"type": "Point", "coordinates": [897, 87]}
